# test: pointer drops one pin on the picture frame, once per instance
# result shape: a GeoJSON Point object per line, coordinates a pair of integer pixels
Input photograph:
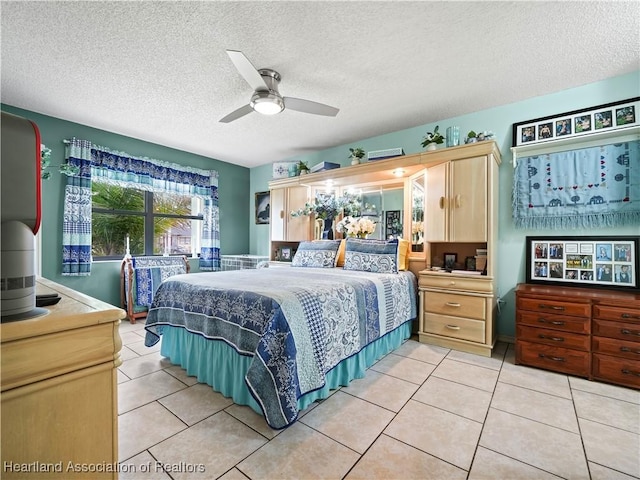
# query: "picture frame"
{"type": "Point", "coordinates": [392, 224]}
{"type": "Point", "coordinates": [284, 169]}
{"type": "Point", "coordinates": [262, 207]}
{"type": "Point", "coordinates": [450, 260]}
{"type": "Point", "coordinates": [470, 264]}
{"type": "Point", "coordinates": [576, 123]}
{"type": "Point", "coordinates": [611, 262]}
{"type": "Point", "coordinates": [285, 254]}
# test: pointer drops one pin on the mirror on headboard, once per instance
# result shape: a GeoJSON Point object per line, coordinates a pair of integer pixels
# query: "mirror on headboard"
{"type": "Point", "coordinates": [383, 204]}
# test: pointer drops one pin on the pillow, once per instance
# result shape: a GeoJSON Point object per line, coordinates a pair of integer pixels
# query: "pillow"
{"type": "Point", "coordinates": [404, 249]}
{"type": "Point", "coordinates": [340, 262]}
{"type": "Point", "coordinates": [316, 254]}
{"type": "Point", "coordinates": [379, 256]}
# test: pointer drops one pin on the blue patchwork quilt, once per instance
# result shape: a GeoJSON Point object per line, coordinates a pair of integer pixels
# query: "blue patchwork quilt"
{"type": "Point", "coordinates": [296, 323]}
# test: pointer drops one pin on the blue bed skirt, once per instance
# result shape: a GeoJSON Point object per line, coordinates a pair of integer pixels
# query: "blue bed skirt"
{"type": "Point", "coordinates": [217, 364]}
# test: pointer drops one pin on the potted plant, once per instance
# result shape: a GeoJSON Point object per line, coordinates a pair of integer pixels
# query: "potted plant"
{"type": "Point", "coordinates": [473, 137]}
{"type": "Point", "coordinates": [433, 139]}
{"type": "Point", "coordinates": [302, 168]}
{"type": "Point", "coordinates": [356, 155]}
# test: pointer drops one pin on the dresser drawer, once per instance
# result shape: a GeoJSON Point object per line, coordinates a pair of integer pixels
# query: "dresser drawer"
{"type": "Point", "coordinates": [455, 327]}
{"type": "Point", "coordinates": [617, 370]}
{"type": "Point", "coordinates": [553, 337]}
{"type": "Point", "coordinates": [615, 347]}
{"type": "Point", "coordinates": [455, 305]}
{"type": "Point", "coordinates": [554, 306]}
{"type": "Point", "coordinates": [558, 359]}
{"type": "Point", "coordinates": [620, 314]}
{"type": "Point", "coordinates": [554, 322]}
{"type": "Point", "coordinates": [624, 331]}
{"type": "Point", "coordinates": [446, 281]}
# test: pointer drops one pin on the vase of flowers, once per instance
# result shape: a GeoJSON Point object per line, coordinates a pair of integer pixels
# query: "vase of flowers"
{"type": "Point", "coordinates": [432, 139]}
{"type": "Point", "coordinates": [359, 227]}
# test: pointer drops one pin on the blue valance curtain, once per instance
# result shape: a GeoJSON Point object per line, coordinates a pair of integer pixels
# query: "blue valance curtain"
{"type": "Point", "coordinates": [103, 165]}
{"type": "Point", "coordinates": [584, 188]}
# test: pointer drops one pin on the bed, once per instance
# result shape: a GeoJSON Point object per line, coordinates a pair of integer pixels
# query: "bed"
{"type": "Point", "coordinates": [279, 338]}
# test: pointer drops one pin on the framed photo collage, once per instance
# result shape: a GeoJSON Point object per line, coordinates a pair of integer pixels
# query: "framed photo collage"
{"type": "Point", "coordinates": [603, 262]}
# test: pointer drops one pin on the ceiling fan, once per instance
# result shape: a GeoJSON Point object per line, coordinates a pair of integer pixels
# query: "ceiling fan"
{"type": "Point", "coordinates": [266, 99]}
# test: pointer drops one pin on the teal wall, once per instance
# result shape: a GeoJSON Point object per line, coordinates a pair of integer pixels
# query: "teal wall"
{"type": "Point", "coordinates": [511, 242]}
{"type": "Point", "coordinates": [104, 281]}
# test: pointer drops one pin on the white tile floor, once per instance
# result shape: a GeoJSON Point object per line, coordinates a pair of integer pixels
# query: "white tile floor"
{"type": "Point", "coordinates": [422, 412]}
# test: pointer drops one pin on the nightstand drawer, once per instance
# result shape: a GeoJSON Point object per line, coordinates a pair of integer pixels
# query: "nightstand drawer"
{"type": "Point", "coordinates": [447, 281]}
{"type": "Point", "coordinates": [455, 305]}
{"type": "Point", "coordinates": [558, 359]}
{"type": "Point", "coordinates": [455, 327]}
{"type": "Point", "coordinates": [554, 322]}
{"type": "Point", "coordinates": [554, 306]}
{"type": "Point", "coordinates": [620, 314]}
{"type": "Point", "coordinates": [617, 348]}
{"type": "Point", "coordinates": [553, 337]}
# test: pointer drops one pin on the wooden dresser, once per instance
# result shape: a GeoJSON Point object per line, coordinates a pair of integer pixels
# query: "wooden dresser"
{"type": "Point", "coordinates": [591, 333]}
{"type": "Point", "coordinates": [59, 390]}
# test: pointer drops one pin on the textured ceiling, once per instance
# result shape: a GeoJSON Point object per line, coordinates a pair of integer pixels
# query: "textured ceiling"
{"type": "Point", "coordinates": [158, 71]}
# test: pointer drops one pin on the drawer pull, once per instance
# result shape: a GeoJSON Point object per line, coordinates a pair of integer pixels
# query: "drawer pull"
{"type": "Point", "coordinates": [552, 322]}
{"type": "Point", "coordinates": [550, 307]}
{"type": "Point", "coordinates": [630, 315]}
{"type": "Point", "coordinates": [625, 331]}
{"type": "Point", "coordinates": [629, 372]}
{"type": "Point", "coordinates": [629, 350]}
{"type": "Point", "coordinates": [551, 357]}
{"type": "Point", "coordinates": [453, 327]}
{"type": "Point", "coordinates": [452, 304]}
{"type": "Point", "coordinates": [547, 337]}
{"type": "Point", "coordinates": [452, 282]}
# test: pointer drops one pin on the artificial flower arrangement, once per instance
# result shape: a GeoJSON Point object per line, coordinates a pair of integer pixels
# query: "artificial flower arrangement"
{"type": "Point", "coordinates": [473, 137]}
{"type": "Point", "coordinates": [433, 137]}
{"type": "Point", "coordinates": [329, 206]}
{"type": "Point", "coordinates": [356, 226]}
{"type": "Point", "coordinates": [323, 206]}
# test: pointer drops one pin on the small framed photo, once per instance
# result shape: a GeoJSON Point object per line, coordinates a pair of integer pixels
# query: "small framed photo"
{"type": "Point", "coordinates": [603, 119]}
{"type": "Point", "coordinates": [599, 262]}
{"type": "Point", "coordinates": [470, 263]}
{"type": "Point", "coordinates": [263, 208]}
{"type": "Point", "coordinates": [626, 115]}
{"type": "Point", "coordinates": [450, 260]}
{"type": "Point", "coordinates": [583, 123]}
{"type": "Point", "coordinates": [285, 254]}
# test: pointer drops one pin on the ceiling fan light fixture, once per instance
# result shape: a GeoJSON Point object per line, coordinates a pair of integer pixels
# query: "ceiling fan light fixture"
{"type": "Point", "coordinates": [267, 103]}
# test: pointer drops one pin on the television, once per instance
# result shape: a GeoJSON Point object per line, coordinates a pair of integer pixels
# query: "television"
{"type": "Point", "coordinates": [20, 216]}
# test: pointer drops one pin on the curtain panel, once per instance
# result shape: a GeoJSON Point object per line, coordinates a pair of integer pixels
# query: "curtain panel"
{"type": "Point", "coordinates": [103, 165]}
{"type": "Point", "coordinates": [585, 188]}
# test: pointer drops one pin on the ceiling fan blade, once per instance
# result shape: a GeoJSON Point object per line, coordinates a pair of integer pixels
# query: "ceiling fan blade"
{"type": "Point", "coordinates": [307, 106]}
{"type": "Point", "coordinates": [236, 114]}
{"type": "Point", "coordinates": [247, 70]}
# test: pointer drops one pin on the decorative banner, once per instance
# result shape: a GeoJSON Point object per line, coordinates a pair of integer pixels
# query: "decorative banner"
{"type": "Point", "coordinates": [586, 188]}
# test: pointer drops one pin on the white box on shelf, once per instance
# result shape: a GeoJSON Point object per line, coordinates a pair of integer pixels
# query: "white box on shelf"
{"type": "Point", "coordinates": [284, 169]}
{"type": "Point", "coordinates": [383, 154]}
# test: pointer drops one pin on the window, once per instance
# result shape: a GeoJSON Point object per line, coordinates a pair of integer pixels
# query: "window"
{"type": "Point", "coordinates": [156, 223]}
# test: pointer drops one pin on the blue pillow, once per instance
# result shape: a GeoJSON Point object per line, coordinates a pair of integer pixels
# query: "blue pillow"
{"type": "Point", "coordinates": [379, 256]}
{"type": "Point", "coordinates": [316, 254]}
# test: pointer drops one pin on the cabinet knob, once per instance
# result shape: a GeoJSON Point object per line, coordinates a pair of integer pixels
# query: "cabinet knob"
{"type": "Point", "coordinates": [452, 304]}
{"type": "Point", "coordinates": [458, 201]}
{"type": "Point", "coordinates": [281, 213]}
{"type": "Point", "coordinates": [452, 282]}
{"type": "Point", "coordinates": [453, 327]}
{"type": "Point", "coordinates": [442, 200]}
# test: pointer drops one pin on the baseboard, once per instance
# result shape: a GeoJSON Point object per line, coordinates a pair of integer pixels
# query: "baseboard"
{"type": "Point", "coordinates": [506, 339]}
